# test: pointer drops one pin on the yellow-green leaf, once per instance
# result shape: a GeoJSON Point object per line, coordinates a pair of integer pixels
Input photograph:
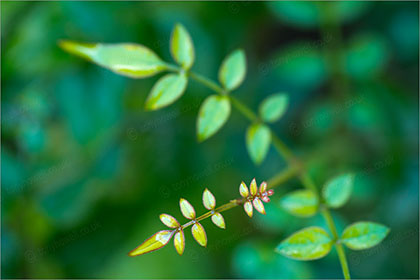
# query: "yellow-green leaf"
{"type": "Point", "coordinates": [307, 244]}
{"type": "Point", "coordinates": [243, 190]}
{"type": "Point", "coordinates": [364, 235]}
{"type": "Point", "coordinates": [273, 107]}
{"type": "Point", "coordinates": [302, 203]}
{"type": "Point", "coordinates": [263, 187]}
{"type": "Point", "coordinates": [213, 114]}
{"type": "Point", "coordinates": [131, 60]}
{"type": "Point", "coordinates": [156, 241]}
{"type": "Point", "coordinates": [208, 200]}
{"type": "Point", "coordinates": [166, 91]}
{"type": "Point", "coordinates": [169, 221]}
{"type": "Point", "coordinates": [253, 187]}
{"type": "Point", "coordinates": [337, 191]}
{"type": "Point", "coordinates": [187, 209]}
{"type": "Point", "coordinates": [218, 220]}
{"type": "Point", "coordinates": [199, 234]}
{"type": "Point", "coordinates": [233, 69]}
{"type": "Point", "coordinates": [258, 139]}
{"type": "Point", "coordinates": [182, 47]}
{"type": "Point", "coordinates": [259, 206]}
{"type": "Point", "coordinates": [248, 208]}
{"type": "Point", "coordinates": [179, 242]}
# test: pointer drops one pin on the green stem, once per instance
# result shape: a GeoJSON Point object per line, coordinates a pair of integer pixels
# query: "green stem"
{"type": "Point", "coordinates": [294, 166]}
{"type": "Point", "coordinates": [207, 82]}
{"type": "Point", "coordinates": [283, 176]}
{"type": "Point", "coordinates": [243, 109]}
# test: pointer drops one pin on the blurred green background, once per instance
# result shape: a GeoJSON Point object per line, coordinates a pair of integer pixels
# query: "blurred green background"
{"type": "Point", "coordinates": [86, 171]}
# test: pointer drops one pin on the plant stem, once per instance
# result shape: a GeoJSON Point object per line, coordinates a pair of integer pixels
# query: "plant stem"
{"type": "Point", "coordinates": [207, 82]}
{"type": "Point", "coordinates": [338, 246]}
{"type": "Point", "coordinates": [292, 161]}
{"type": "Point", "coordinates": [243, 109]}
{"type": "Point", "coordinates": [273, 182]}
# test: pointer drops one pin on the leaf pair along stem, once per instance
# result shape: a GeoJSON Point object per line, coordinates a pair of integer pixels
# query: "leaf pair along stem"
{"type": "Point", "coordinates": [295, 167]}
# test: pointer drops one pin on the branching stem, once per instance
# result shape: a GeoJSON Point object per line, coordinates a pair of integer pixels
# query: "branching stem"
{"type": "Point", "coordinates": [295, 166]}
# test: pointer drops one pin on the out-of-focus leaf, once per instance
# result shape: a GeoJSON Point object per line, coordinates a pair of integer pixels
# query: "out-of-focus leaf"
{"type": "Point", "coordinates": [303, 203]}
{"type": "Point", "coordinates": [404, 29]}
{"type": "Point", "coordinates": [213, 114]}
{"type": "Point", "coordinates": [182, 47]}
{"type": "Point", "coordinates": [166, 91]}
{"type": "Point", "coordinates": [366, 56]}
{"type": "Point", "coordinates": [337, 191]}
{"type": "Point", "coordinates": [156, 241]}
{"type": "Point", "coordinates": [208, 200]}
{"type": "Point", "coordinates": [258, 139]}
{"type": "Point", "coordinates": [131, 60]}
{"type": "Point", "coordinates": [300, 13]}
{"type": "Point", "coordinates": [364, 235]}
{"type": "Point", "coordinates": [186, 209]}
{"type": "Point", "coordinates": [199, 234]}
{"type": "Point", "coordinates": [307, 244]}
{"type": "Point", "coordinates": [179, 242]}
{"type": "Point", "coordinates": [233, 70]}
{"type": "Point", "coordinates": [274, 107]}
{"type": "Point", "coordinates": [300, 66]}
{"type": "Point", "coordinates": [308, 14]}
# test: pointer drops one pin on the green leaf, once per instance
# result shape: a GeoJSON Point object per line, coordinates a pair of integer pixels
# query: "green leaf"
{"type": "Point", "coordinates": [131, 60]}
{"type": "Point", "coordinates": [258, 139]}
{"type": "Point", "coordinates": [366, 56]}
{"type": "Point", "coordinates": [182, 47]}
{"type": "Point", "coordinates": [166, 91]}
{"type": "Point", "coordinates": [302, 203]}
{"type": "Point", "coordinates": [213, 113]}
{"type": "Point", "coordinates": [307, 244]}
{"type": "Point", "coordinates": [274, 107]}
{"type": "Point", "coordinates": [156, 241]}
{"type": "Point", "coordinates": [364, 235]}
{"type": "Point", "coordinates": [233, 69]}
{"type": "Point", "coordinates": [337, 191]}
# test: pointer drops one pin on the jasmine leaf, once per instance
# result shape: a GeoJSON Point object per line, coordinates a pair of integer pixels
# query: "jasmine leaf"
{"type": "Point", "coordinates": [307, 244]}
{"type": "Point", "coordinates": [167, 90]}
{"type": "Point", "coordinates": [303, 203]}
{"type": "Point", "coordinates": [364, 235]}
{"type": "Point", "coordinates": [213, 114]}
{"type": "Point", "coordinates": [233, 69]}
{"type": "Point", "coordinates": [156, 241]}
{"type": "Point", "coordinates": [274, 107]}
{"type": "Point", "coordinates": [131, 60]}
{"type": "Point", "coordinates": [258, 139]}
{"type": "Point", "coordinates": [199, 234]}
{"type": "Point", "coordinates": [182, 48]}
{"type": "Point", "coordinates": [337, 191]}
